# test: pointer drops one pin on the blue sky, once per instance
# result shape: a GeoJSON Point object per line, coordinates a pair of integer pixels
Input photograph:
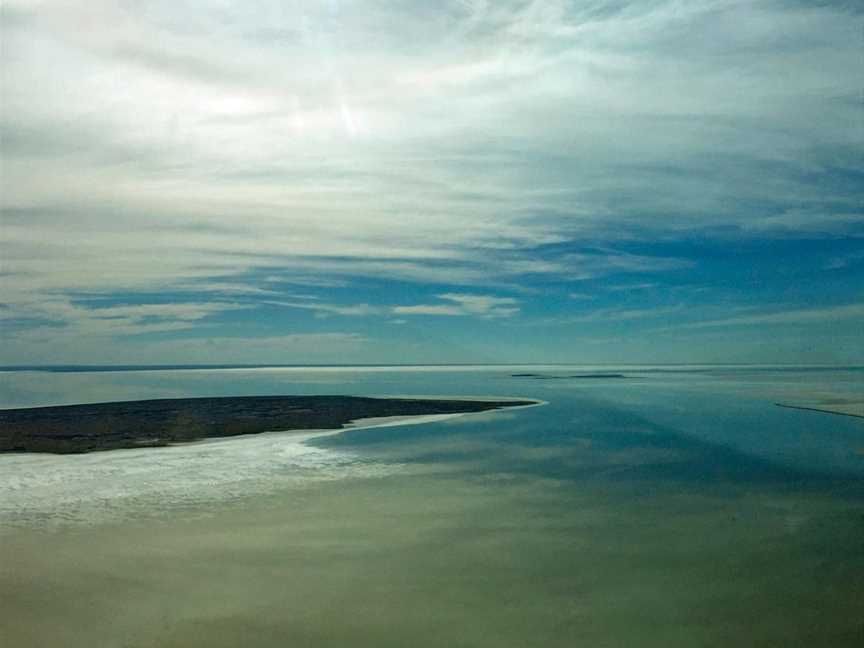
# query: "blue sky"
{"type": "Point", "coordinates": [467, 181]}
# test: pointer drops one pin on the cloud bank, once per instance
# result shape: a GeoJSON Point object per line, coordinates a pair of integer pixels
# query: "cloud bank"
{"type": "Point", "coordinates": [475, 150]}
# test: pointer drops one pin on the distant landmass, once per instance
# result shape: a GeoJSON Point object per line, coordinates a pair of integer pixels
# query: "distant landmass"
{"type": "Point", "coordinates": [850, 408]}
{"type": "Point", "coordinates": [188, 367]}
{"type": "Point", "coordinates": [549, 377]}
{"type": "Point", "coordinates": [153, 423]}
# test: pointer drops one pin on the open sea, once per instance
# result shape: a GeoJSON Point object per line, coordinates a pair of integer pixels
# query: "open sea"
{"type": "Point", "coordinates": [676, 506]}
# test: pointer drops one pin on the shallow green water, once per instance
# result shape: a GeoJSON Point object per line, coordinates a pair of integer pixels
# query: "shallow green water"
{"type": "Point", "coordinates": [676, 509]}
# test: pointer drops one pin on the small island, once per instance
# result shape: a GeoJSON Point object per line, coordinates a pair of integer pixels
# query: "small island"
{"type": "Point", "coordinates": [70, 429]}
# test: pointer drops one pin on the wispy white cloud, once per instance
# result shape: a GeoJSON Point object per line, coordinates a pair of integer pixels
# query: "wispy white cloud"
{"type": "Point", "coordinates": [31, 347]}
{"type": "Point", "coordinates": [792, 316]}
{"type": "Point", "coordinates": [484, 305]}
{"type": "Point", "coordinates": [323, 309]}
{"type": "Point", "coordinates": [223, 287]}
{"type": "Point", "coordinates": [298, 347]}
{"type": "Point", "coordinates": [41, 318]}
{"type": "Point", "coordinates": [615, 315]}
{"type": "Point", "coordinates": [631, 286]}
{"type": "Point", "coordinates": [461, 304]}
{"type": "Point", "coordinates": [455, 304]}
{"type": "Point", "coordinates": [429, 309]}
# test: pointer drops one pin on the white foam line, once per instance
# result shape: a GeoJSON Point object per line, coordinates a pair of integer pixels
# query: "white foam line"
{"type": "Point", "coordinates": [534, 402]}
{"type": "Point", "coordinates": [392, 421]}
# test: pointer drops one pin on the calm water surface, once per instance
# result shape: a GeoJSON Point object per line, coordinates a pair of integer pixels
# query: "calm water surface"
{"type": "Point", "coordinates": [670, 508]}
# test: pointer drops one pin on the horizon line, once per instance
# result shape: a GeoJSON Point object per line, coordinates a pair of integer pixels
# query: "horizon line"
{"type": "Point", "coordinates": [70, 368]}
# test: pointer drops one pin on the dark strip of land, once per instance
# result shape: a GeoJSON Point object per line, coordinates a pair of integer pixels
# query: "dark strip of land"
{"type": "Point", "coordinates": [151, 423]}
{"type": "Point", "coordinates": [549, 377]}
{"type": "Point", "coordinates": [842, 409]}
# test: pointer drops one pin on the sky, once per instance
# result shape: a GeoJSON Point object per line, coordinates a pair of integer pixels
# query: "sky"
{"type": "Point", "coordinates": [339, 181]}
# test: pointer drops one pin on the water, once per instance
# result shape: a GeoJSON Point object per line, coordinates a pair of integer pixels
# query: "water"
{"type": "Point", "coordinates": [675, 507]}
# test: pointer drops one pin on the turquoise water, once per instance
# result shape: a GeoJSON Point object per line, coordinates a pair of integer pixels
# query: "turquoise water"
{"type": "Point", "coordinates": [677, 506]}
